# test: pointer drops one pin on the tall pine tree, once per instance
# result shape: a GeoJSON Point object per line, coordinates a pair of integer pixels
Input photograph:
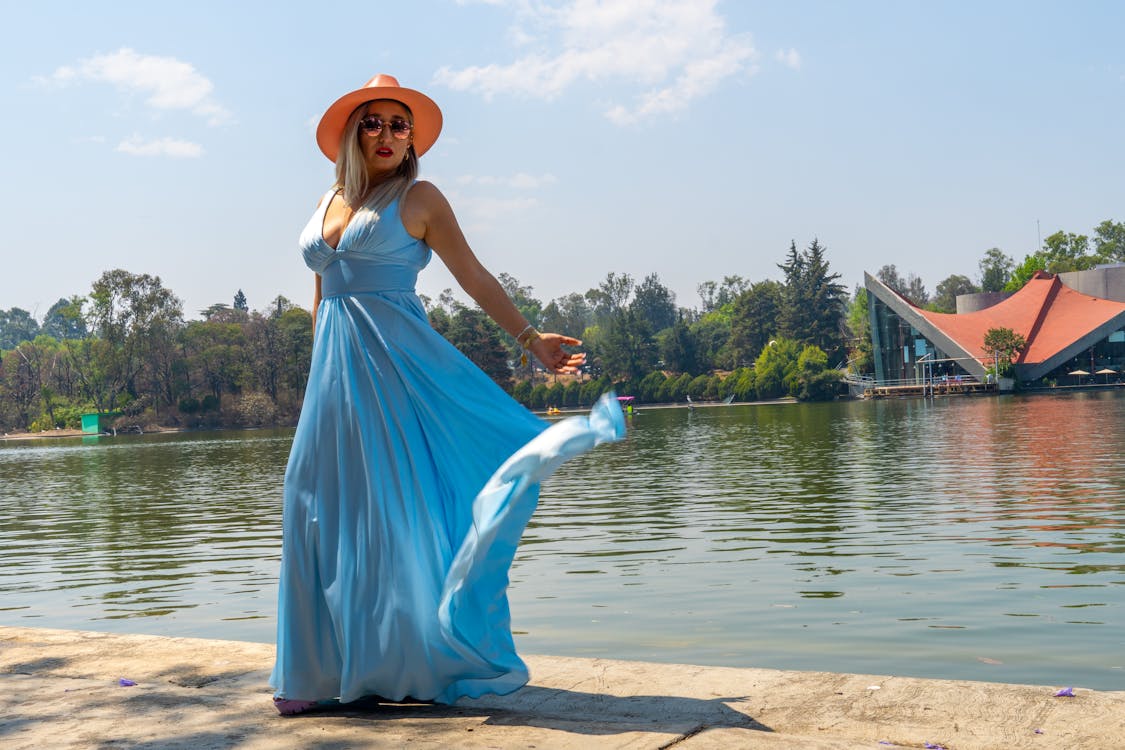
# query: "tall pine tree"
{"type": "Point", "coordinates": [813, 301]}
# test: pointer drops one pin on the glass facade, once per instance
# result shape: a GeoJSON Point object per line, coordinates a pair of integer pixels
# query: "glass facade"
{"type": "Point", "coordinates": [1107, 354]}
{"type": "Point", "coordinates": [902, 353]}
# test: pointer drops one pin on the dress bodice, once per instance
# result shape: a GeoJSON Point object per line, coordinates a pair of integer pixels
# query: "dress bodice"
{"type": "Point", "coordinates": [375, 252]}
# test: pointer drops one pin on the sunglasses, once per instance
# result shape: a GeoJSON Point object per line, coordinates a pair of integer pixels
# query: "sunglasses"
{"type": "Point", "coordinates": [374, 126]}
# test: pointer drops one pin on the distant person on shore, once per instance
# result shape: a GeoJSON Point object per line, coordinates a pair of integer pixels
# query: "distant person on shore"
{"type": "Point", "coordinates": [412, 474]}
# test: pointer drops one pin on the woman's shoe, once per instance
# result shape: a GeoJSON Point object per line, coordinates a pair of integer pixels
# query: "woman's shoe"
{"type": "Point", "coordinates": [287, 707]}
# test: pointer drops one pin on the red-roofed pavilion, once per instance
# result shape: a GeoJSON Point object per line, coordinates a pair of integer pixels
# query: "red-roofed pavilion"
{"type": "Point", "coordinates": [1058, 323]}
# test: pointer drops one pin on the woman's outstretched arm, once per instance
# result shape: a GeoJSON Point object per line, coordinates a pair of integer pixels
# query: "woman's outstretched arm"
{"type": "Point", "coordinates": [427, 215]}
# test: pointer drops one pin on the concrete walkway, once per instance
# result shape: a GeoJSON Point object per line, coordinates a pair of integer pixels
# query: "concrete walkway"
{"type": "Point", "coordinates": [62, 689]}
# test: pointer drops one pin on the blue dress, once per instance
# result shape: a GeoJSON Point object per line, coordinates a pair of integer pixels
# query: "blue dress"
{"type": "Point", "coordinates": [411, 478]}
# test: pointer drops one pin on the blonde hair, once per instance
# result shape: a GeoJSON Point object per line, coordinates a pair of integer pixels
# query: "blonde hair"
{"type": "Point", "coordinates": [351, 169]}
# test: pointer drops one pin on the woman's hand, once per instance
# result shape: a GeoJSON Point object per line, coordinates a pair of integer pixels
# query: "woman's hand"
{"type": "Point", "coordinates": [548, 349]}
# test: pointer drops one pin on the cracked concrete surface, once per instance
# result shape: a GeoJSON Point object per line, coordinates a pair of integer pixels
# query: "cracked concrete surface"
{"type": "Point", "coordinates": [61, 690]}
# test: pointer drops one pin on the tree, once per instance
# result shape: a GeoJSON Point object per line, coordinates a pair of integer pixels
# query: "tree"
{"type": "Point", "coordinates": [64, 319]}
{"type": "Point", "coordinates": [945, 299]}
{"type": "Point", "coordinates": [267, 352]}
{"type": "Point", "coordinates": [814, 380]}
{"type": "Point", "coordinates": [21, 383]}
{"type": "Point", "coordinates": [240, 302]}
{"type": "Point", "coordinates": [627, 350]}
{"type": "Point", "coordinates": [740, 384]}
{"type": "Point", "coordinates": [776, 367]}
{"type": "Point", "coordinates": [812, 302]}
{"type": "Point", "coordinates": [216, 351]}
{"type": "Point", "coordinates": [794, 315]}
{"type": "Point", "coordinates": [888, 274]}
{"type": "Point", "coordinates": [995, 270]}
{"type": "Point", "coordinates": [126, 311]}
{"type": "Point", "coordinates": [521, 296]}
{"type": "Point", "coordinates": [754, 319]}
{"type": "Point", "coordinates": [1065, 251]}
{"type": "Point", "coordinates": [677, 347]}
{"type": "Point", "coordinates": [712, 335]}
{"type": "Point", "coordinates": [1003, 345]}
{"type": "Point", "coordinates": [715, 296]}
{"type": "Point", "coordinates": [481, 340]}
{"type": "Point", "coordinates": [570, 315]}
{"type": "Point", "coordinates": [280, 305]}
{"type": "Point", "coordinates": [295, 327]}
{"type": "Point", "coordinates": [1024, 271]}
{"type": "Point", "coordinates": [440, 320]}
{"type": "Point", "coordinates": [530, 307]}
{"type": "Point", "coordinates": [164, 375]}
{"type": "Point", "coordinates": [611, 296]}
{"type": "Point", "coordinates": [861, 359]}
{"type": "Point", "coordinates": [1109, 242]}
{"type": "Point", "coordinates": [16, 325]}
{"type": "Point", "coordinates": [916, 291]}
{"type": "Point", "coordinates": [220, 309]}
{"type": "Point", "coordinates": [911, 287]}
{"type": "Point", "coordinates": [655, 303]}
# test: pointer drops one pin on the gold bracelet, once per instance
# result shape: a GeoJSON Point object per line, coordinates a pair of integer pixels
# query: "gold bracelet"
{"type": "Point", "coordinates": [526, 336]}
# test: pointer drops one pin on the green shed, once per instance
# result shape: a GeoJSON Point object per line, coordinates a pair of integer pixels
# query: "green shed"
{"type": "Point", "coordinates": [95, 424]}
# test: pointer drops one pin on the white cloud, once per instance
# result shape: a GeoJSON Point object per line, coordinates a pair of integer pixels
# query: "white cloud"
{"type": "Point", "coordinates": [679, 50]}
{"type": "Point", "coordinates": [173, 147]}
{"type": "Point", "coordinates": [520, 180]}
{"type": "Point", "coordinates": [168, 83]}
{"type": "Point", "coordinates": [790, 58]}
{"type": "Point", "coordinates": [477, 212]}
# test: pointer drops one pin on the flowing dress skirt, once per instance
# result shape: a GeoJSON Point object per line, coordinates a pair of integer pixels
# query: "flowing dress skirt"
{"type": "Point", "coordinates": [411, 479]}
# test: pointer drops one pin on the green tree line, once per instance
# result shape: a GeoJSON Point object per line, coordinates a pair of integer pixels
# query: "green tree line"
{"type": "Point", "coordinates": [126, 348]}
{"type": "Point", "coordinates": [750, 339]}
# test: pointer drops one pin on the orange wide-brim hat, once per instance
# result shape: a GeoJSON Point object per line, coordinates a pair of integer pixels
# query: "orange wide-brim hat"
{"type": "Point", "coordinates": [427, 116]}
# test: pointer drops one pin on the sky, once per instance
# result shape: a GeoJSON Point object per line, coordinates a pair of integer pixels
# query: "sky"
{"type": "Point", "coordinates": [693, 140]}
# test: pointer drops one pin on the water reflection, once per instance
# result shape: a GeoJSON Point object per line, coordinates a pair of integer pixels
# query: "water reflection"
{"type": "Point", "coordinates": [961, 538]}
{"type": "Point", "coordinates": [151, 527]}
{"type": "Point", "coordinates": [831, 534]}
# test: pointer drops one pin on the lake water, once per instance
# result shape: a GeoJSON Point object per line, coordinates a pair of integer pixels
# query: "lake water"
{"type": "Point", "coordinates": [966, 538]}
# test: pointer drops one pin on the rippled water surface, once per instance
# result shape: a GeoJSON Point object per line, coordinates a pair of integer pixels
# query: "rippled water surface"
{"type": "Point", "coordinates": [962, 538]}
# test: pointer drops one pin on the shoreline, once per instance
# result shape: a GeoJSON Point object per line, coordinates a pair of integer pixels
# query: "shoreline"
{"type": "Point", "coordinates": [69, 433]}
{"type": "Point", "coordinates": [563, 412]}
{"type": "Point", "coordinates": [79, 689]}
{"type": "Point", "coordinates": [566, 412]}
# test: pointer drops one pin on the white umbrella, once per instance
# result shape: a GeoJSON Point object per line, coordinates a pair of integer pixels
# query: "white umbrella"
{"type": "Point", "coordinates": [1107, 371]}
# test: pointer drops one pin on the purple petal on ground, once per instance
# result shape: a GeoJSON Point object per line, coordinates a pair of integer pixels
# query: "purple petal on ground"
{"type": "Point", "coordinates": [1066, 692]}
{"type": "Point", "coordinates": [125, 683]}
{"type": "Point", "coordinates": [1039, 731]}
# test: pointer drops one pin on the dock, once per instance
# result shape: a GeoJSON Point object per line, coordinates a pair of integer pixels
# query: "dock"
{"type": "Point", "coordinates": [930, 388]}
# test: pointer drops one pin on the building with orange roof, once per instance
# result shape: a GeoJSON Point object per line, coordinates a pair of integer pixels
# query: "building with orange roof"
{"type": "Point", "coordinates": [1068, 331]}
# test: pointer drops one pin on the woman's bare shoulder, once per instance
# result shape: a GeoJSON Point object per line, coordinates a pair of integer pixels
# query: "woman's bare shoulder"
{"type": "Point", "coordinates": [424, 192]}
{"type": "Point", "coordinates": [423, 204]}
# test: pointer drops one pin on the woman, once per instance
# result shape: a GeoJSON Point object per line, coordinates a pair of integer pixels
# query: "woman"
{"type": "Point", "coordinates": [412, 474]}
